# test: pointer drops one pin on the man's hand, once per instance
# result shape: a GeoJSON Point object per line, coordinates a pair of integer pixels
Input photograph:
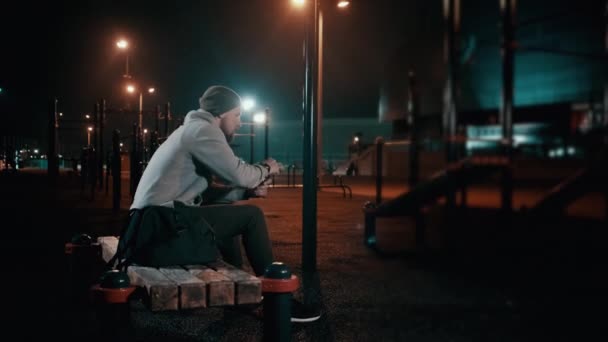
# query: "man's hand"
{"type": "Point", "coordinates": [261, 190]}
{"type": "Point", "coordinates": [274, 166]}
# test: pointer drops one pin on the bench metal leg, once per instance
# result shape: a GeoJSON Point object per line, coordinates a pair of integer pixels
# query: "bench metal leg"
{"type": "Point", "coordinates": [369, 237]}
{"type": "Point", "coordinates": [278, 284]}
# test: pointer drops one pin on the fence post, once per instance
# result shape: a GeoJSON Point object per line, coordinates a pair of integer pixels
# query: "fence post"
{"type": "Point", "coordinates": [52, 163]}
{"type": "Point", "coordinates": [379, 148]}
{"type": "Point", "coordinates": [134, 162]}
{"type": "Point", "coordinates": [116, 170]}
{"type": "Point", "coordinates": [100, 154]}
{"type": "Point", "coordinates": [167, 116]}
{"type": "Point", "coordinates": [414, 164]}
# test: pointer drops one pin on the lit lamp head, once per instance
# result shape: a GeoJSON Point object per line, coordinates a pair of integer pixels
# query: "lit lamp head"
{"type": "Point", "coordinates": [259, 118]}
{"type": "Point", "coordinates": [248, 104]}
{"type": "Point", "coordinates": [122, 44]}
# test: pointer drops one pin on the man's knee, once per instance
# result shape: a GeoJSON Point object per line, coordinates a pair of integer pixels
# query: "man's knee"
{"type": "Point", "coordinates": [251, 211]}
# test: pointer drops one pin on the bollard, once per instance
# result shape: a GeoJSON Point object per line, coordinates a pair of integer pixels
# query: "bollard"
{"type": "Point", "coordinates": [278, 284]}
{"type": "Point", "coordinates": [84, 265]}
{"type": "Point", "coordinates": [369, 236]}
{"type": "Point", "coordinates": [111, 298]}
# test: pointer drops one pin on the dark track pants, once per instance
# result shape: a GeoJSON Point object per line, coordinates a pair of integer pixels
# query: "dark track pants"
{"type": "Point", "coordinates": [230, 221]}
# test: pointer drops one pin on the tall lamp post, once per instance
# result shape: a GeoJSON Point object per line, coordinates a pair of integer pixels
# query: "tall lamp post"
{"type": "Point", "coordinates": [123, 45]}
{"type": "Point", "coordinates": [89, 130]}
{"type": "Point", "coordinates": [312, 122]}
{"type": "Point", "coordinates": [261, 118]}
{"type": "Point", "coordinates": [131, 89]}
{"type": "Point", "coordinates": [248, 104]}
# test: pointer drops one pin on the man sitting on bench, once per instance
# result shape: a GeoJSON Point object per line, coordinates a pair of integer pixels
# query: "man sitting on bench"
{"type": "Point", "coordinates": [183, 168]}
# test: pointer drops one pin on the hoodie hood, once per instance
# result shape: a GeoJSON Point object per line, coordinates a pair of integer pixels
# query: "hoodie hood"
{"type": "Point", "coordinates": [199, 114]}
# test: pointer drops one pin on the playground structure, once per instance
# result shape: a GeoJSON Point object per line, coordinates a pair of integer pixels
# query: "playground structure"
{"type": "Point", "coordinates": [464, 167]}
{"type": "Point", "coordinates": [461, 169]}
{"type": "Point", "coordinates": [93, 161]}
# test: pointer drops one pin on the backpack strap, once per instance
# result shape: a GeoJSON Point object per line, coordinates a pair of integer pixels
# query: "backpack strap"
{"type": "Point", "coordinates": [127, 239]}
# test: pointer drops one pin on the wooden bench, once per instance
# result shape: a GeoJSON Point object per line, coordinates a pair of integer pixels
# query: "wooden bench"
{"type": "Point", "coordinates": [189, 286]}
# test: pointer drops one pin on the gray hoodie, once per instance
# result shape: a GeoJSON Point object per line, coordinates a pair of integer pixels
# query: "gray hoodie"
{"type": "Point", "coordinates": [181, 168]}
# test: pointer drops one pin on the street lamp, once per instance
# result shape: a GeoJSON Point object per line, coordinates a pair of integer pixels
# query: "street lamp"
{"type": "Point", "coordinates": [263, 118]}
{"type": "Point", "coordinates": [131, 89]}
{"type": "Point", "coordinates": [89, 130]}
{"type": "Point", "coordinates": [248, 104]}
{"type": "Point", "coordinates": [313, 91]}
{"type": "Point", "coordinates": [123, 45]}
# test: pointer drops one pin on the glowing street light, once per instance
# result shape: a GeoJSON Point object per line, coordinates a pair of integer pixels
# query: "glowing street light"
{"type": "Point", "coordinates": [259, 118]}
{"type": "Point", "coordinates": [248, 104]}
{"type": "Point", "coordinates": [343, 4]}
{"type": "Point", "coordinates": [298, 3]}
{"type": "Point", "coordinates": [89, 130]}
{"type": "Point", "coordinates": [123, 45]}
{"type": "Point", "coordinates": [132, 89]}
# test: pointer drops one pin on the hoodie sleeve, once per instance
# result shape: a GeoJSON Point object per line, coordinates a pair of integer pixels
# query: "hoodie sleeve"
{"type": "Point", "coordinates": [208, 145]}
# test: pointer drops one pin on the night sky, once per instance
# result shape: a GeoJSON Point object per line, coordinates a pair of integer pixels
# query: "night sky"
{"type": "Point", "coordinates": [67, 50]}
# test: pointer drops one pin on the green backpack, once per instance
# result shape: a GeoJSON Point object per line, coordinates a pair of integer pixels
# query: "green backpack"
{"type": "Point", "coordinates": [159, 236]}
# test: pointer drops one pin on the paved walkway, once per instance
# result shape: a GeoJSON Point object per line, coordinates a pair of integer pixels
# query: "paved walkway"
{"type": "Point", "coordinates": [480, 280]}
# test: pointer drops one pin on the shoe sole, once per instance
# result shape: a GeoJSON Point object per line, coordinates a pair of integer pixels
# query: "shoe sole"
{"type": "Point", "coordinates": [305, 320]}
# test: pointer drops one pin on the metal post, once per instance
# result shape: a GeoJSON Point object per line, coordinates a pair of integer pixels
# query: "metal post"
{"type": "Point", "coordinates": [266, 153]}
{"type": "Point", "coordinates": [141, 111]}
{"type": "Point", "coordinates": [157, 119]}
{"type": "Point", "coordinates": [134, 162]}
{"type": "Point", "coordinates": [379, 148]}
{"type": "Point", "coordinates": [452, 23]}
{"type": "Point", "coordinates": [127, 67]}
{"type": "Point", "coordinates": [53, 165]}
{"type": "Point", "coordinates": [319, 105]}
{"type": "Point", "coordinates": [277, 286]}
{"type": "Point", "coordinates": [251, 146]}
{"type": "Point", "coordinates": [506, 113]}
{"type": "Point", "coordinates": [116, 170]}
{"type": "Point", "coordinates": [95, 160]}
{"type": "Point", "coordinates": [167, 116]}
{"type": "Point", "coordinates": [100, 154]}
{"type": "Point", "coordinates": [414, 130]}
{"type": "Point", "coordinates": [309, 177]}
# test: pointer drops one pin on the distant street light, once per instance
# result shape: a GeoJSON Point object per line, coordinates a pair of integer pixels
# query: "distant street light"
{"type": "Point", "coordinates": [89, 130]}
{"type": "Point", "coordinates": [131, 89]}
{"type": "Point", "coordinates": [123, 45]}
{"type": "Point", "coordinates": [248, 104]}
{"type": "Point", "coordinates": [343, 4]}
{"type": "Point", "coordinates": [259, 118]}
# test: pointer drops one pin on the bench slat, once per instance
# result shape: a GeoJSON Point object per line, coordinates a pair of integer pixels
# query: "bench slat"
{"type": "Point", "coordinates": [248, 287]}
{"type": "Point", "coordinates": [192, 290]}
{"type": "Point", "coordinates": [162, 291]}
{"type": "Point", "coordinates": [220, 289]}
{"type": "Point", "coordinates": [191, 286]}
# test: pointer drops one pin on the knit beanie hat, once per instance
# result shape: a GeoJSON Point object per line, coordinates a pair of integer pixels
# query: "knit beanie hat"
{"type": "Point", "coordinates": [218, 100]}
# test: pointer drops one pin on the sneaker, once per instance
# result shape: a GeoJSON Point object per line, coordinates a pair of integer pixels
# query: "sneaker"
{"type": "Point", "coordinates": [301, 313]}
